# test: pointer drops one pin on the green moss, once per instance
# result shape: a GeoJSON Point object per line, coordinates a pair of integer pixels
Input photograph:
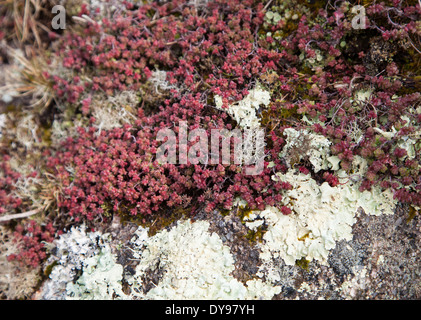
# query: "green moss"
{"type": "Point", "coordinates": [11, 108]}
{"type": "Point", "coordinates": [314, 5]}
{"type": "Point", "coordinates": [46, 135]}
{"type": "Point", "coordinates": [49, 268]}
{"type": "Point", "coordinates": [411, 84]}
{"type": "Point", "coordinates": [254, 236]}
{"type": "Point", "coordinates": [278, 116]}
{"type": "Point", "coordinates": [107, 207]}
{"type": "Point", "coordinates": [303, 263]}
{"type": "Point", "coordinates": [412, 214]}
{"type": "Point", "coordinates": [244, 212]}
{"type": "Point", "coordinates": [224, 212]}
{"type": "Point", "coordinates": [156, 222]}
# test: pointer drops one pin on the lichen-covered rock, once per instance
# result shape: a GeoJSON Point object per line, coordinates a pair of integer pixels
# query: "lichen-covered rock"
{"type": "Point", "coordinates": [101, 278]}
{"type": "Point", "coordinates": [302, 144]}
{"type": "Point", "coordinates": [195, 265]}
{"type": "Point", "coordinates": [346, 258]}
{"type": "Point", "coordinates": [321, 216]}
{"type": "Point", "coordinates": [71, 254]}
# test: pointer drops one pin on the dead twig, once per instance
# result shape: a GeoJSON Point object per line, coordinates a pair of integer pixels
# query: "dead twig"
{"type": "Point", "coordinates": [9, 217]}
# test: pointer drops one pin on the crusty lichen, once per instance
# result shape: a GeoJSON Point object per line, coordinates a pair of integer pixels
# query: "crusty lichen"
{"type": "Point", "coordinates": [302, 143]}
{"type": "Point", "coordinates": [245, 112]}
{"type": "Point", "coordinates": [194, 265]}
{"type": "Point", "coordinates": [101, 278]}
{"type": "Point", "coordinates": [80, 251]}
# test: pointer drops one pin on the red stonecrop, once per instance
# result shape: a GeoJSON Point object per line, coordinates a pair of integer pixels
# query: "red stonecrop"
{"type": "Point", "coordinates": [8, 201]}
{"type": "Point", "coordinates": [32, 237]}
{"type": "Point", "coordinates": [221, 53]}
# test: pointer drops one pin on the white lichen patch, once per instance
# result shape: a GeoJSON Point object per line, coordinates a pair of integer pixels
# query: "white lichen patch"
{"type": "Point", "coordinates": [101, 278]}
{"type": "Point", "coordinates": [22, 129]}
{"type": "Point", "coordinates": [361, 96]}
{"type": "Point", "coordinates": [114, 111]}
{"type": "Point", "coordinates": [301, 144]}
{"type": "Point", "coordinates": [321, 215]}
{"type": "Point", "coordinates": [10, 77]}
{"type": "Point", "coordinates": [109, 112]}
{"type": "Point", "coordinates": [27, 131]}
{"type": "Point", "coordinates": [107, 118]}
{"type": "Point", "coordinates": [86, 252]}
{"type": "Point", "coordinates": [195, 265]}
{"type": "Point", "coordinates": [159, 81]}
{"type": "Point", "coordinates": [61, 130]}
{"type": "Point", "coordinates": [245, 112]}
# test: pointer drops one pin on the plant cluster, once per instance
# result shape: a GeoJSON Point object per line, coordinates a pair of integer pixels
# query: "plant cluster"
{"type": "Point", "coordinates": [116, 172]}
{"type": "Point", "coordinates": [31, 238]}
{"type": "Point", "coordinates": [7, 180]}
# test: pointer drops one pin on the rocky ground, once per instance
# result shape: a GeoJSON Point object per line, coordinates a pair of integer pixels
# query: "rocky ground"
{"type": "Point", "coordinates": [214, 254]}
{"type": "Point", "coordinates": [381, 262]}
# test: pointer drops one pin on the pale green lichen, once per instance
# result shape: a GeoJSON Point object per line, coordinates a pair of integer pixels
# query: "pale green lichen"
{"type": "Point", "coordinates": [27, 132]}
{"type": "Point", "coordinates": [195, 265]}
{"type": "Point", "coordinates": [317, 61]}
{"type": "Point", "coordinates": [406, 142]}
{"type": "Point", "coordinates": [86, 252]}
{"type": "Point", "coordinates": [244, 112]}
{"type": "Point", "coordinates": [300, 144]}
{"type": "Point", "coordinates": [362, 96]}
{"type": "Point", "coordinates": [159, 81]}
{"type": "Point", "coordinates": [101, 278]}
